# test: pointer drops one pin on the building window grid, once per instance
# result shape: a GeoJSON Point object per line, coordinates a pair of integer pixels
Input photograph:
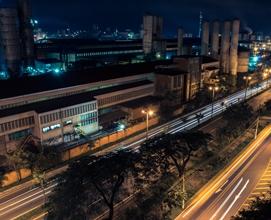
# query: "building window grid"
{"type": "Point", "coordinates": [68, 113]}
{"type": "Point", "coordinates": [16, 124]}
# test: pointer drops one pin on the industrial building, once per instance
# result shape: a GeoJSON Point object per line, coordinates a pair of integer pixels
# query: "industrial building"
{"type": "Point", "coordinates": [16, 39]}
{"type": "Point", "coordinates": [59, 109]}
{"type": "Point", "coordinates": [221, 41]}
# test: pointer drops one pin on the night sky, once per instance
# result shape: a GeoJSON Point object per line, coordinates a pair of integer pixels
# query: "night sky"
{"type": "Point", "coordinates": [121, 14]}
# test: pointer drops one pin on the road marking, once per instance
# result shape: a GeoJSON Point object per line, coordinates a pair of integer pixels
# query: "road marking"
{"type": "Point", "coordinates": [220, 189]}
{"type": "Point", "coordinates": [226, 200]}
{"type": "Point", "coordinates": [25, 212]}
{"type": "Point", "coordinates": [254, 145]}
{"type": "Point", "coordinates": [19, 196]}
{"type": "Point", "coordinates": [12, 204]}
{"type": "Point", "coordinates": [41, 215]}
{"type": "Point", "coordinates": [3, 213]}
{"type": "Point", "coordinates": [234, 201]}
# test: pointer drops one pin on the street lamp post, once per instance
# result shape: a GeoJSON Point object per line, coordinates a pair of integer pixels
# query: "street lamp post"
{"type": "Point", "coordinates": [148, 114]}
{"type": "Point", "coordinates": [247, 79]}
{"type": "Point", "coordinates": [213, 89]}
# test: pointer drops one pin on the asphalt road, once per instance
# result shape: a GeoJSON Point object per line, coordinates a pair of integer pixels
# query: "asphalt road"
{"type": "Point", "coordinates": [222, 197]}
{"type": "Point", "coordinates": [19, 201]}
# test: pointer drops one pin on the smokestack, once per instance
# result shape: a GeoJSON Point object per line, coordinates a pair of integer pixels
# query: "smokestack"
{"type": "Point", "coordinates": [234, 47]}
{"type": "Point", "coordinates": [215, 39]}
{"type": "Point", "coordinates": [225, 65]}
{"type": "Point", "coordinates": [153, 29]}
{"type": "Point", "coordinates": [180, 42]}
{"type": "Point", "coordinates": [205, 39]}
{"type": "Point", "coordinates": [10, 42]}
{"type": "Point", "coordinates": [26, 31]}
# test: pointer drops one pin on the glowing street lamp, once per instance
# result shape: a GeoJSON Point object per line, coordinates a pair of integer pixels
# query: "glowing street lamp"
{"type": "Point", "coordinates": [213, 89]}
{"type": "Point", "coordinates": [247, 79]}
{"type": "Point", "coordinates": [148, 114]}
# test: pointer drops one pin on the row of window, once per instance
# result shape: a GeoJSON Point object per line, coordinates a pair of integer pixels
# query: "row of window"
{"type": "Point", "coordinates": [19, 135]}
{"type": "Point", "coordinates": [51, 128]}
{"type": "Point", "coordinates": [17, 124]}
{"type": "Point", "coordinates": [89, 118]}
{"type": "Point", "coordinates": [13, 105]}
{"type": "Point", "coordinates": [109, 52]}
{"type": "Point", "coordinates": [123, 97]}
{"type": "Point", "coordinates": [45, 119]}
{"type": "Point", "coordinates": [85, 120]}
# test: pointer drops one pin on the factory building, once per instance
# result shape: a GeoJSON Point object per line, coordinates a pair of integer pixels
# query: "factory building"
{"type": "Point", "coordinates": [16, 39]}
{"type": "Point", "coordinates": [61, 109]}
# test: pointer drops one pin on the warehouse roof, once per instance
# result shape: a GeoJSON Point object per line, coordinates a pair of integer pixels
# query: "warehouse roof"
{"type": "Point", "coordinates": [29, 85]}
{"type": "Point", "coordinates": [58, 103]}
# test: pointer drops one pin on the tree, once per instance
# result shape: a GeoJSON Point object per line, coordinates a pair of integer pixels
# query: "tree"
{"type": "Point", "coordinates": [18, 161]}
{"type": "Point", "coordinates": [238, 115]}
{"type": "Point", "coordinates": [90, 179]}
{"type": "Point", "coordinates": [69, 198]}
{"type": "Point", "coordinates": [259, 209]}
{"type": "Point", "coordinates": [107, 174]}
{"type": "Point", "coordinates": [173, 150]}
{"type": "Point", "coordinates": [160, 155]}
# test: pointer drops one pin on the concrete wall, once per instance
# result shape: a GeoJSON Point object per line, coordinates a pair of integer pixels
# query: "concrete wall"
{"type": "Point", "coordinates": [234, 47]}
{"type": "Point", "coordinates": [243, 62]}
{"type": "Point", "coordinates": [215, 39]}
{"type": "Point", "coordinates": [225, 47]}
{"type": "Point", "coordinates": [180, 42]}
{"type": "Point", "coordinates": [205, 39]}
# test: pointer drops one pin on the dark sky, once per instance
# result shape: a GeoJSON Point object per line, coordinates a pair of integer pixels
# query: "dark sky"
{"type": "Point", "coordinates": [128, 13]}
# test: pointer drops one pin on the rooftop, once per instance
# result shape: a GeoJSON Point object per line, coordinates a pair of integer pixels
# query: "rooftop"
{"type": "Point", "coordinates": [170, 70]}
{"type": "Point", "coordinates": [58, 103]}
{"type": "Point", "coordinates": [141, 102]}
{"type": "Point", "coordinates": [29, 85]}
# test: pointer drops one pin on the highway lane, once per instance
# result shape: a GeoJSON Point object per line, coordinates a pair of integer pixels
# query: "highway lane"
{"type": "Point", "coordinates": [22, 201]}
{"type": "Point", "coordinates": [223, 196]}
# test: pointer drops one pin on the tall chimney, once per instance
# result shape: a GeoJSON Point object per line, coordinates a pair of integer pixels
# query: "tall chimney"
{"type": "Point", "coordinates": [215, 39]}
{"type": "Point", "coordinates": [225, 65]}
{"type": "Point", "coordinates": [10, 42]}
{"type": "Point", "coordinates": [205, 39]}
{"type": "Point", "coordinates": [26, 31]}
{"type": "Point", "coordinates": [234, 47]}
{"type": "Point", "coordinates": [153, 29]}
{"type": "Point", "coordinates": [180, 42]}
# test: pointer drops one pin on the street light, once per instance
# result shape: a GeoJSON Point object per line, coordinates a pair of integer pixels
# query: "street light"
{"type": "Point", "coordinates": [213, 89]}
{"type": "Point", "coordinates": [148, 114]}
{"type": "Point", "coordinates": [247, 79]}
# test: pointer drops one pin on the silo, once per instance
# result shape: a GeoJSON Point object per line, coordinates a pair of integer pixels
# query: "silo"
{"type": "Point", "coordinates": [205, 39]}
{"type": "Point", "coordinates": [225, 48]}
{"type": "Point", "coordinates": [234, 47]}
{"type": "Point", "coordinates": [180, 41]}
{"type": "Point", "coordinates": [26, 32]}
{"type": "Point", "coordinates": [215, 39]}
{"type": "Point", "coordinates": [10, 41]}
